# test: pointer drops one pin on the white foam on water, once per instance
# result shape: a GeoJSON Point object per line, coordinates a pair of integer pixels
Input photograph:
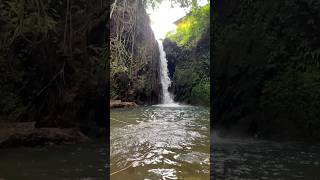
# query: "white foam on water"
{"type": "Point", "coordinates": [171, 105]}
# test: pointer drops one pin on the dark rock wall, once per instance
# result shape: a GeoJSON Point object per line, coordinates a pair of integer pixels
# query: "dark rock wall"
{"type": "Point", "coordinates": [150, 94]}
{"type": "Point", "coordinates": [265, 78]}
{"type": "Point", "coordinates": [187, 67]}
{"type": "Point", "coordinates": [141, 82]}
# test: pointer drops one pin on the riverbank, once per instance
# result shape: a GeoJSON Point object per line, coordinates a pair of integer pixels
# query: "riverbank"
{"type": "Point", "coordinates": [26, 134]}
{"type": "Point", "coordinates": [242, 132]}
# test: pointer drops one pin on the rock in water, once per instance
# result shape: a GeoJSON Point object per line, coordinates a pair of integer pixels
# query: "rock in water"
{"type": "Point", "coordinates": [25, 134]}
{"type": "Point", "coordinates": [120, 104]}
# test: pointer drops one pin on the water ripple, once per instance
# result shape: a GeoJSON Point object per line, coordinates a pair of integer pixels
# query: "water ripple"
{"type": "Point", "coordinates": [167, 142]}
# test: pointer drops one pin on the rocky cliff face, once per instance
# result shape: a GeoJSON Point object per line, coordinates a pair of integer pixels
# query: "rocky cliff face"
{"type": "Point", "coordinates": [189, 70]}
{"type": "Point", "coordinates": [134, 55]}
{"type": "Point", "coordinates": [53, 71]}
{"type": "Point", "coordinates": [187, 50]}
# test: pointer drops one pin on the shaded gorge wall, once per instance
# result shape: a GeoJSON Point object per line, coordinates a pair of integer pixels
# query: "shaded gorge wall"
{"type": "Point", "coordinates": [266, 68]}
{"type": "Point", "coordinates": [53, 67]}
{"type": "Point", "coordinates": [134, 55]}
{"type": "Point", "coordinates": [188, 54]}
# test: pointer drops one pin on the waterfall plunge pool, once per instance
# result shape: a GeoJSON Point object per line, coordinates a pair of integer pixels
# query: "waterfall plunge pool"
{"type": "Point", "coordinates": [158, 142]}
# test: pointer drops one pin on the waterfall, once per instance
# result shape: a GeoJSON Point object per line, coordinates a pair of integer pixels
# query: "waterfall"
{"type": "Point", "coordinates": [165, 80]}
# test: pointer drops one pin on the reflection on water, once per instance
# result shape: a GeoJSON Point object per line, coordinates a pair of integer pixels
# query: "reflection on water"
{"type": "Point", "coordinates": [160, 143]}
{"type": "Point", "coordinates": [72, 162]}
{"type": "Point", "coordinates": [257, 159]}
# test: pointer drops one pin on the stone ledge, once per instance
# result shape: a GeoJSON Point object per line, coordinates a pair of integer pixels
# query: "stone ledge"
{"type": "Point", "coordinates": [120, 104]}
{"type": "Point", "coordinates": [25, 134]}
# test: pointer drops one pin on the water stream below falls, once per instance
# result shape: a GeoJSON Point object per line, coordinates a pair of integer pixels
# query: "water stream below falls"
{"type": "Point", "coordinates": [164, 141]}
{"type": "Point", "coordinates": [160, 142]}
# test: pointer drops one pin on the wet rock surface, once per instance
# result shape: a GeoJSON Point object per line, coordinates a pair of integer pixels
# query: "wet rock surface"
{"type": "Point", "coordinates": [25, 134]}
{"type": "Point", "coordinates": [120, 104]}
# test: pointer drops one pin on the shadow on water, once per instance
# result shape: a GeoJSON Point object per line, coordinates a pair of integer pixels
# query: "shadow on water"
{"type": "Point", "coordinates": [248, 158]}
{"type": "Point", "coordinates": [71, 162]}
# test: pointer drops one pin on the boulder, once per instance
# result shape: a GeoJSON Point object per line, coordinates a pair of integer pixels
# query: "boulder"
{"type": "Point", "coordinates": [120, 104]}
{"type": "Point", "coordinates": [25, 134]}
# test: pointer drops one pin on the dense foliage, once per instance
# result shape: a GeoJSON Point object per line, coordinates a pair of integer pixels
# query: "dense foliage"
{"type": "Point", "coordinates": [266, 67]}
{"type": "Point", "coordinates": [191, 27]}
{"type": "Point", "coordinates": [134, 65]}
{"type": "Point", "coordinates": [187, 51]}
{"type": "Point", "coordinates": [53, 61]}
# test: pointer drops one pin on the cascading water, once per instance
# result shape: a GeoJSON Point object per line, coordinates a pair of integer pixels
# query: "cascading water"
{"type": "Point", "coordinates": [165, 80]}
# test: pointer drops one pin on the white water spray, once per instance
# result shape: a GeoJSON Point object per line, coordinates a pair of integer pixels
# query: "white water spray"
{"type": "Point", "coordinates": [165, 80]}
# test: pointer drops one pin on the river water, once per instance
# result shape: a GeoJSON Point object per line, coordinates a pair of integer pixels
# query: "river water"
{"type": "Point", "coordinates": [71, 162]}
{"type": "Point", "coordinates": [240, 158]}
{"type": "Point", "coordinates": [159, 142]}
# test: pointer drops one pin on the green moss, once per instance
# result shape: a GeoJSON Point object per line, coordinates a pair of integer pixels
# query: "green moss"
{"type": "Point", "coordinates": [200, 93]}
